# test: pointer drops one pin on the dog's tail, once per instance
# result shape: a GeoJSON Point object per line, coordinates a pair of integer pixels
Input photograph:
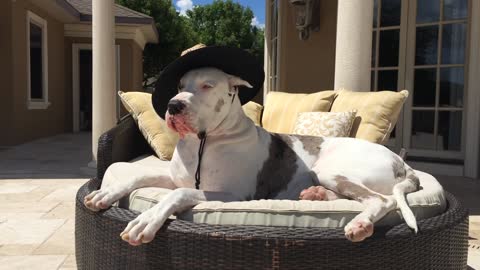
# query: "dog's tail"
{"type": "Point", "coordinates": [409, 184]}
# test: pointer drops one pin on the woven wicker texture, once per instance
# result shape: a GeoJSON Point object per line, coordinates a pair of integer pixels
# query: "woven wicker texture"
{"type": "Point", "coordinates": [441, 243]}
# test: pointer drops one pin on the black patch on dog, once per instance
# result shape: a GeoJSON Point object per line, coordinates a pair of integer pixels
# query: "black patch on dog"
{"type": "Point", "coordinates": [278, 170]}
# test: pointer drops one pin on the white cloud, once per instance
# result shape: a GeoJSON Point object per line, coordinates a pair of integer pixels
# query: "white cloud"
{"type": "Point", "coordinates": [183, 6]}
{"type": "Point", "coordinates": [256, 23]}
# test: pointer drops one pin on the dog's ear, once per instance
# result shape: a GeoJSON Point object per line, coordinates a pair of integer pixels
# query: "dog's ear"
{"type": "Point", "coordinates": [234, 81]}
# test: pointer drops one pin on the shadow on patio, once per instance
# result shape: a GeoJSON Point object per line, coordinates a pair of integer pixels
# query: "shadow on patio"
{"type": "Point", "coordinates": [58, 157]}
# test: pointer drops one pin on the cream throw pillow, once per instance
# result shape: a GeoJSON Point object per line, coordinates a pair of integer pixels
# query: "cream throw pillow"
{"type": "Point", "coordinates": [253, 111]}
{"type": "Point", "coordinates": [162, 139]}
{"type": "Point", "coordinates": [377, 112]}
{"type": "Point", "coordinates": [325, 124]}
{"type": "Point", "coordinates": [281, 109]}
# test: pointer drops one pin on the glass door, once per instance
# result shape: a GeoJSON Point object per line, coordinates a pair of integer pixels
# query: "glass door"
{"type": "Point", "coordinates": [436, 75]}
{"type": "Point", "coordinates": [421, 45]}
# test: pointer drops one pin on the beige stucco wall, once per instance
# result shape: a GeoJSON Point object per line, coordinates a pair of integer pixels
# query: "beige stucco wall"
{"type": "Point", "coordinates": [6, 90]}
{"type": "Point", "coordinates": [307, 66]}
{"type": "Point", "coordinates": [32, 124]}
{"type": "Point", "coordinates": [131, 65]}
{"type": "Point", "coordinates": [137, 66]}
{"type": "Point", "coordinates": [28, 124]}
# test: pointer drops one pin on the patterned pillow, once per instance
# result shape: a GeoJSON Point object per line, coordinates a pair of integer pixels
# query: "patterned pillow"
{"type": "Point", "coordinates": [325, 124]}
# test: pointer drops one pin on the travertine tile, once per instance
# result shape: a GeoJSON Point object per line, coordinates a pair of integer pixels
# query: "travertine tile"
{"type": "Point", "coordinates": [59, 182]}
{"type": "Point", "coordinates": [37, 262]}
{"type": "Point", "coordinates": [16, 187]}
{"type": "Point", "coordinates": [70, 263]}
{"type": "Point", "coordinates": [27, 207]}
{"type": "Point", "coordinates": [14, 181]}
{"type": "Point", "coordinates": [64, 194]}
{"type": "Point", "coordinates": [475, 218]}
{"type": "Point", "coordinates": [61, 242]}
{"type": "Point", "coordinates": [28, 231]}
{"type": "Point", "coordinates": [33, 196]}
{"type": "Point", "coordinates": [17, 249]}
{"type": "Point", "coordinates": [19, 216]}
{"type": "Point", "coordinates": [474, 258]}
{"type": "Point", "coordinates": [64, 210]}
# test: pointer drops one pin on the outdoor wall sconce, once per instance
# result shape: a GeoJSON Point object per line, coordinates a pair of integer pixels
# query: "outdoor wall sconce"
{"type": "Point", "coordinates": [307, 14]}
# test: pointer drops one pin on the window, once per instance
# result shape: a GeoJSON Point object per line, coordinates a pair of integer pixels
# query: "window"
{"type": "Point", "coordinates": [37, 62]}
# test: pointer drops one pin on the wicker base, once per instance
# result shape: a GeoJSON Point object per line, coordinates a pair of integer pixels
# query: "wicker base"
{"type": "Point", "coordinates": [441, 244]}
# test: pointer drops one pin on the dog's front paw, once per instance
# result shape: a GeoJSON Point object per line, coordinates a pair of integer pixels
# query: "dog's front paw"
{"type": "Point", "coordinates": [101, 199]}
{"type": "Point", "coordinates": [144, 227]}
{"type": "Point", "coordinates": [358, 230]}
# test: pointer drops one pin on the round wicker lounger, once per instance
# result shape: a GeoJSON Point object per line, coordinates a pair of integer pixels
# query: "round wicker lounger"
{"type": "Point", "coordinates": [441, 243]}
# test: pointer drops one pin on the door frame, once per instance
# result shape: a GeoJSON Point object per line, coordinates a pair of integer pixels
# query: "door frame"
{"type": "Point", "coordinates": [76, 47]}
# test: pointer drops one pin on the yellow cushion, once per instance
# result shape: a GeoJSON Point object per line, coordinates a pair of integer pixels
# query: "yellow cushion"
{"type": "Point", "coordinates": [377, 112]}
{"type": "Point", "coordinates": [253, 111]}
{"type": "Point", "coordinates": [162, 139]}
{"type": "Point", "coordinates": [154, 129]}
{"type": "Point", "coordinates": [282, 109]}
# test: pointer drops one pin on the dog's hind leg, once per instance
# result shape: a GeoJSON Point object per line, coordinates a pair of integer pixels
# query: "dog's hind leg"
{"type": "Point", "coordinates": [376, 205]}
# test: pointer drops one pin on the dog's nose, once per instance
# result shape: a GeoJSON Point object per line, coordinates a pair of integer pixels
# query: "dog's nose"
{"type": "Point", "coordinates": [175, 106]}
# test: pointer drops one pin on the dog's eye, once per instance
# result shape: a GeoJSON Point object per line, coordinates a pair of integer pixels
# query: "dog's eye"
{"type": "Point", "coordinates": [207, 86]}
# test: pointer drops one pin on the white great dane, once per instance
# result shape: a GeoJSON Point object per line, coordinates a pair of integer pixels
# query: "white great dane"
{"type": "Point", "coordinates": [242, 161]}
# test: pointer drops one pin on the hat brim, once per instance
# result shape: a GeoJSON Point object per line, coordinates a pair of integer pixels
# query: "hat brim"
{"type": "Point", "coordinates": [230, 60]}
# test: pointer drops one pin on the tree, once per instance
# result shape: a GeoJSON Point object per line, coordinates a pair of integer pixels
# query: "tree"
{"type": "Point", "coordinates": [227, 23]}
{"type": "Point", "coordinates": [219, 23]}
{"type": "Point", "coordinates": [175, 34]}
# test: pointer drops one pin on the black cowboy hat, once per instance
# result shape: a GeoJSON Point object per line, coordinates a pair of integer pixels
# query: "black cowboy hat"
{"type": "Point", "coordinates": [230, 60]}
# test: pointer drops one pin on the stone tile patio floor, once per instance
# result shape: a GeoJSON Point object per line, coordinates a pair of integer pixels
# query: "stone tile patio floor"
{"type": "Point", "coordinates": [38, 183]}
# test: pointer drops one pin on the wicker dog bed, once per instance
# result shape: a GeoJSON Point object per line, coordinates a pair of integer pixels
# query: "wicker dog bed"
{"type": "Point", "coordinates": [441, 243]}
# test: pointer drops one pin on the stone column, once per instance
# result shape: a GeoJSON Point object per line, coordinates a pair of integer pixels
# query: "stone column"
{"type": "Point", "coordinates": [354, 45]}
{"type": "Point", "coordinates": [103, 96]}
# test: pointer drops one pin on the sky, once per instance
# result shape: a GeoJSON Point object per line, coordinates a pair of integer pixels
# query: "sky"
{"type": "Point", "coordinates": [257, 6]}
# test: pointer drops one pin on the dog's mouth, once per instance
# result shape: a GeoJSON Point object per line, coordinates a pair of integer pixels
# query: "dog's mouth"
{"type": "Point", "coordinates": [179, 123]}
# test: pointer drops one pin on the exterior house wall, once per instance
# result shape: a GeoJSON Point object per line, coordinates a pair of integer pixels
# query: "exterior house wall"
{"type": "Point", "coordinates": [131, 65]}
{"type": "Point", "coordinates": [137, 67]}
{"type": "Point", "coordinates": [58, 117]}
{"type": "Point", "coordinates": [32, 124]}
{"type": "Point", "coordinates": [6, 90]}
{"type": "Point", "coordinates": [307, 66]}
